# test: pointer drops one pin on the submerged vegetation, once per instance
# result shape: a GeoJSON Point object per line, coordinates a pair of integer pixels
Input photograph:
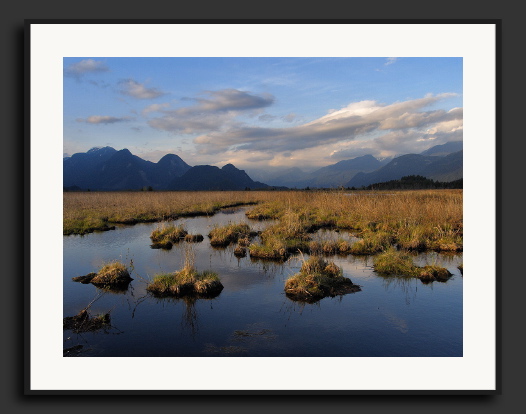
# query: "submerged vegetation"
{"type": "Point", "coordinates": [317, 279]}
{"type": "Point", "coordinates": [84, 322]}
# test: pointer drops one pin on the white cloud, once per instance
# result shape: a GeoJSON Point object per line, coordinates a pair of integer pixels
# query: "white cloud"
{"type": "Point", "coordinates": [104, 119]}
{"type": "Point", "coordinates": [216, 112]}
{"type": "Point", "coordinates": [137, 90]}
{"type": "Point", "coordinates": [86, 66]}
{"type": "Point", "coordinates": [390, 61]}
{"type": "Point", "coordinates": [155, 108]}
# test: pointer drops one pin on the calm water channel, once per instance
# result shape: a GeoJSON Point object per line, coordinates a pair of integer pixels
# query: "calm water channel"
{"type": "Point", "coordinates": [389, 317]}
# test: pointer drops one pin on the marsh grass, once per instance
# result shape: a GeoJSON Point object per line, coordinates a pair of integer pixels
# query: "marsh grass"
{"type": "Point", "coordinates": [222, 236]}
{"type": "Point", "coordinates": [114, 273]}
{"type": "Point", "coordinates": [187, 282]}
{"type": "Point", "coordinates": [84, 212]}
{"type": "Point", "coordinates": [194, 238]}
{"type": "Point", "coordinates": [419, 220]}
{"type": "Point", "coordinates": [317, 279]}
{"type": "Point", "coordinates": [400, 263]}
{"type": "Point", "coordinates": [166, 234]}
{"type": "Point", "coordinates": [240, 251]}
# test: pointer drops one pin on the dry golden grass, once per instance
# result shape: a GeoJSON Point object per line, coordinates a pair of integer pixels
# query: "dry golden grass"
{"type": "Point", "coordinates": [84, 212]}
{"type": "Point", "coordinates": [414, 220]}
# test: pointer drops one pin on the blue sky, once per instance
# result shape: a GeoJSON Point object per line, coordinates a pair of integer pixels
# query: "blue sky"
{"type": "Point", "coordinates": [262, 112]}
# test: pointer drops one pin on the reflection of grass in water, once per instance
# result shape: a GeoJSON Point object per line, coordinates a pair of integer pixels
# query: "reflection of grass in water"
{"type": "Point", "coordinates": [242, 340]}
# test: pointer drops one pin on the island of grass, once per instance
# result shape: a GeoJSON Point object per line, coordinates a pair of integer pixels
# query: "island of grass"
{"type": "Point", "coordinates": [165, 235]}
{"type": "Point", "coordinates": [317, 279]}
{"type": "Point", "coordinates": [400, 263]}
{"type": "Point", "coordinates": [111, 274]}
{"type": "Point", "coordinates": [222, 236]}
{"type": "Point", "coordinates": [186, 282]}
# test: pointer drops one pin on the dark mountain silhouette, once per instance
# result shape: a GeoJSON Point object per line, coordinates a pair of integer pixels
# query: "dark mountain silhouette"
{"type": "Point", "coordinates": [80, 167]}
{"type": "Point", "coordinates": [441, 168]}
{"type": "Point", "coordinates": [107, 169]}
{"type": "Point", "coordinates": [208, 178]}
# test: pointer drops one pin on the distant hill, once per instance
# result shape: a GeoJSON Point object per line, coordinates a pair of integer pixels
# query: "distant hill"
{"type": "Point", "coordinates": [444, 149]}
{"type": "Point", "coordinates": [333, 175]}
{"type": "Point", "coordinates": [107, 169]}
{"type": "Point", "coordinates": [339, 174]}
{"type": "Point", "coordinates": [415, 182]}
{"type": "Point", "coordinates": [441, 168]}
{"type": "Point", "coordinates": [210, 178]}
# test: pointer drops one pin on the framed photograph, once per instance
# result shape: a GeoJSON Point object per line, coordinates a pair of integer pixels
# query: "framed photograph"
{"type": "Point", "coordinates": [244, 207]}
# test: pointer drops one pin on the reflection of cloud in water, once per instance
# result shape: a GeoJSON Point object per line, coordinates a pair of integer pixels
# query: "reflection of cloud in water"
{"type": "Point", "coordinates": [399, 323]}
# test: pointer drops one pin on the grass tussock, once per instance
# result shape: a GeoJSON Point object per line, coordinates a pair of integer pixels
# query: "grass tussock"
{"type": "Point", "coordinates": [240, 251]}
{"type": "Point", "coordinates": [222, 236]}
{"type": "Point", "coordinates": [115, 273]}
{"type": "Point", "coordinates": [186, 282]}
{"type": "Point", "coordinates": [165, 235]}
{"type": "Point", "coordinates": [317, 279]}
{"type": "Point", "coordinates": [400, 263]}
{"type": "Point", "coordinates": [194, 238]}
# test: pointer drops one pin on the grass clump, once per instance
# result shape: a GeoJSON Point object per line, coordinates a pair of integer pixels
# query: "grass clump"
{"type": "Point", "coordinates": [114, 273]}
{"type": "Point", "coordinates": [240, 251]}
{"type": "Point", "coordinates": [461, 268]}
{"type": "Point", "coordinates": [372, 242]}
{"type": "Point", "coordinates": [224, 235]}
{"type": "Point", "coordinates": [394, 262]}
{"type": "Point", "coordinates": [186, 282]}
{"type": "Point", "coordinates": [166, 234]}
{"type": "Point", "coordinates": [317, 279]}
{"type": "Point", "coordinates": [272, 249]}
{"type": "Point", "coordinates": [400, 263]}
{"type": "Point", "coordinates": [194, 238]}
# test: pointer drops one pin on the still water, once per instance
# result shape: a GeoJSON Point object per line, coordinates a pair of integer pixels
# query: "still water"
{"type": "Point", "coordinates": [389, 317]}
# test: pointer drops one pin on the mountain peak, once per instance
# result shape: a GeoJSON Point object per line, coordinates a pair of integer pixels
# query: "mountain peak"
{"type": "Point", "coordinates": [229, 167]}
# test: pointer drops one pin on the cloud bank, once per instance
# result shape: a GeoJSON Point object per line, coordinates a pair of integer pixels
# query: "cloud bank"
{"type": "Point", "coordinates": [357, 120]}
{"type": "Point", "coordinates": [216, 111]}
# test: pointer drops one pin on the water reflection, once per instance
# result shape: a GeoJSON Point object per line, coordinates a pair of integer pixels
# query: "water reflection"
{"type": "Point", "coordinates": [252, 316]}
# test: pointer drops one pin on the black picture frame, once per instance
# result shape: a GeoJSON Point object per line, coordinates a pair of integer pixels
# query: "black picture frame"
{"type": "Point", "coordinates": [28, 203]}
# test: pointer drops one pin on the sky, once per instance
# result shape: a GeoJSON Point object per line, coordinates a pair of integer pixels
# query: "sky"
{"type": "Point", "coordinates": [261, 112]}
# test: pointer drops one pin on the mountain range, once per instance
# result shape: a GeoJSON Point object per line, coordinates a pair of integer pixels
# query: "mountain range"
{"type": "Point", "coordinates": [106, 169]}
